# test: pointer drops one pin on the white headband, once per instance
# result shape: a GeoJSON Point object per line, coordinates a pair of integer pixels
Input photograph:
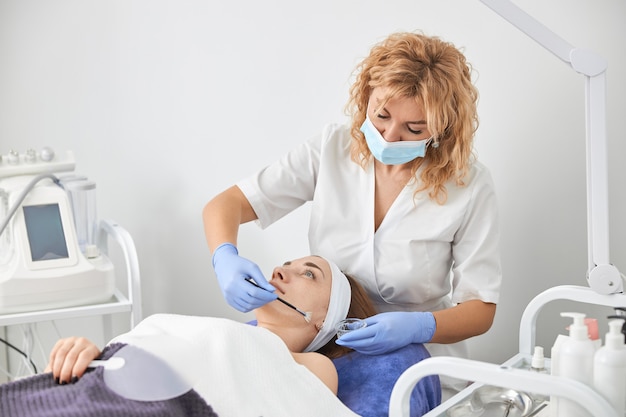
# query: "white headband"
{"type": "Point", "coordinates": [338, 306]}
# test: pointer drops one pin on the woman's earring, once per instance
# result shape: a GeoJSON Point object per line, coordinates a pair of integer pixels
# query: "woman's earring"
{"type": "Point", "coordinates": [319, 326]}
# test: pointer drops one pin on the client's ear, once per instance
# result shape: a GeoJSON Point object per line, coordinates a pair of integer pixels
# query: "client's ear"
{"type": "Point", "coordinates": [318, 326]}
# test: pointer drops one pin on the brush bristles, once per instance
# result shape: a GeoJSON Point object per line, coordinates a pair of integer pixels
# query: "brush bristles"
{"type": "Point", "coordinates": [307, 316]}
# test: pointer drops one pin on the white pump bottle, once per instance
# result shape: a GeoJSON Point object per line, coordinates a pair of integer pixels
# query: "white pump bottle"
{"type": "Point", "coordinates": [576, 361]}
{"type": "Point", "coordinates": [609, 375]}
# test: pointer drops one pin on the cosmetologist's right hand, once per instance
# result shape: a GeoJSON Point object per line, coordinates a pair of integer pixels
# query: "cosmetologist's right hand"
{"type": "Point", "coordinates": [232, 271]}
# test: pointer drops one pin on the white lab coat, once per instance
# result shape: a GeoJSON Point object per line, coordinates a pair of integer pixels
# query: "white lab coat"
{"type": "Point", "coordinates": [423, 257]}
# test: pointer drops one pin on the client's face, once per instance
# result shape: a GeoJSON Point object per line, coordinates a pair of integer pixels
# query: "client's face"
{"type": "Point", "coordinates": [305, 283]}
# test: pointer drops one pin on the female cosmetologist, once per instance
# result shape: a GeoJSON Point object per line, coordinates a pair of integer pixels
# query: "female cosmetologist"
{"type": "Point", "coordinates": [398, 201]}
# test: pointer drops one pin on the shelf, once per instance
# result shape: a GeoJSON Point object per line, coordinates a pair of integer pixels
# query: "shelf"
{"type": "Point", "coordinates": [118, 304]}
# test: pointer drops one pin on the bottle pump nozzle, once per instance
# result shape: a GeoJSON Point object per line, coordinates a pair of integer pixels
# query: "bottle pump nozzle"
{"type": "Point", "coordinates": [538, 360]}
{"type": "Point", "coordinates": [614, 338]}
{"type": "Point", "coordinates": [578, 329]}
{"type": "Point", "coordinates": [622, 324]}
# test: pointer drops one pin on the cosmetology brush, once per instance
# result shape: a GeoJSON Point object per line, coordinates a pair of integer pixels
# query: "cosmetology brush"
{"type": "Point", "coordinates": [306, 315]}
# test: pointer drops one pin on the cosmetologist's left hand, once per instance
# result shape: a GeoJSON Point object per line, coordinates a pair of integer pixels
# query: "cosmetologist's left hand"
{"type": "Point", "coordinates": [386, 332]}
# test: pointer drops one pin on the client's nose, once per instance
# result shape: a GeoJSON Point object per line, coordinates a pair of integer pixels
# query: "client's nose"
{"type": "Point", "coordinates": [278, 274]}
{"type": "Point", "coordinates": [281, 273]}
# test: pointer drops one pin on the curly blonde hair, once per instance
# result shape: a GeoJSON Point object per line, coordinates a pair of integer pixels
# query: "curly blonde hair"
{"type": "Point", "coordinates": [436, 74]}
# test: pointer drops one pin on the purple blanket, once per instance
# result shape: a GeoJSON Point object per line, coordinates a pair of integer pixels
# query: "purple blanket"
{"type": "Point", "coordinates": [40, 396]}
{"type": "Point", "coordinates": [366, 382]}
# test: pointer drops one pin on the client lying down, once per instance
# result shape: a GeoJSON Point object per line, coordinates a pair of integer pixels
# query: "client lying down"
{"type": "Point", "coordinates": [274, 368]}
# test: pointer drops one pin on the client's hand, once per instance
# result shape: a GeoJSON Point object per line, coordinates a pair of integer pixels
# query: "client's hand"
{"type": "Point", "coordinates": [386, 332]}
{"type": "Point", "coordinates": [69, 358]}
{"type": "Point", "coordinates": [232, 271]}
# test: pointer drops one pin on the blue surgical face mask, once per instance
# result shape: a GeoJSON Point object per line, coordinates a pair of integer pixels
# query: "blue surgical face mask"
{"type": "Point", "coordinates": [392, 153]}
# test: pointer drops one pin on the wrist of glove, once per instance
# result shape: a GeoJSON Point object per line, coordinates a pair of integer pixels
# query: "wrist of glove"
{"type": "Point", "coordinates": [386, 332]}
{"type": "Point", "coordinates": [232, 271]}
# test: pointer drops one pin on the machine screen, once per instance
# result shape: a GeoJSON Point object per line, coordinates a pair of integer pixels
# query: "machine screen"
{"type": "Point", "coordinates": [45, 232]}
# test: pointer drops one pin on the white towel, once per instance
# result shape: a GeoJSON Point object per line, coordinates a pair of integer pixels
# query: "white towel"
{"type": "Point", "coordinates": [240, 370]}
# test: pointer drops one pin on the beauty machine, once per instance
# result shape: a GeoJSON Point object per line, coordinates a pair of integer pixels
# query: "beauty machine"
{"type": "Point", "coordinates": [48, 253]}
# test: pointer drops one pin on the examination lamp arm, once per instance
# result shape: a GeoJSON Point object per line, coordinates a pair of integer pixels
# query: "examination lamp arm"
{"type": "Point", "coordinates": [530, 26]}
{"type": "Point", "coordinates": [602, 276]}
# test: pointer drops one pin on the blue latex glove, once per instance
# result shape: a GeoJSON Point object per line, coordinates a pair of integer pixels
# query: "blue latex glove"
{"type": "Point", "coordinates": [386, 332]}
{"type": "Point", "coordinates": [232, 271]}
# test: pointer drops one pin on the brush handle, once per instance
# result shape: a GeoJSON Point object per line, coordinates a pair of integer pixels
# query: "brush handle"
{"type": "Point", "coordinates": [291, 305]}
{"type": "Point", "coordinates": [288, 304]}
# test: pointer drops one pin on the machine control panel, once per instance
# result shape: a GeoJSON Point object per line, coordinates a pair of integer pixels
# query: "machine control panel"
{"type": "Point", "coordinates": [32, 162]}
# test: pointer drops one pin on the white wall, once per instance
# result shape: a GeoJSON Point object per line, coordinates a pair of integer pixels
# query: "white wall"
{"type": "Point", "coordinates": [166, 103]}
